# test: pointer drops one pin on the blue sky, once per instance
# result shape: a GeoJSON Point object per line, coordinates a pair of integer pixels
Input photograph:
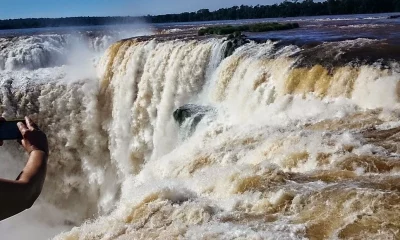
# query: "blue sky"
{"type": "Point", "coordinates": [66, 8]}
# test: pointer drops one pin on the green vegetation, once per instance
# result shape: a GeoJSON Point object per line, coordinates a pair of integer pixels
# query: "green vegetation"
{"type": "Point", "coordinates": [236, 30]}
{"type": "Point", "coordinates": [288, 8]}
{"type": "Point", "coordinates": [65, 22]}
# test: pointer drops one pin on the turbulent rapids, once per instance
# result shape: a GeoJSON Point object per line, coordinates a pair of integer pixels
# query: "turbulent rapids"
{"type": "Point", "coordinates": [270, 147]}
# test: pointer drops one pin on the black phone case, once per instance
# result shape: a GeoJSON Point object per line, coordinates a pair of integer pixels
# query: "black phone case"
{"type": "Point", "coordinates": [9, 130]}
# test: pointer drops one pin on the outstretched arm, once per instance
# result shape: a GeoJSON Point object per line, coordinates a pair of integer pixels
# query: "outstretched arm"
{"type": "Point", "coordinates": [19, 195]}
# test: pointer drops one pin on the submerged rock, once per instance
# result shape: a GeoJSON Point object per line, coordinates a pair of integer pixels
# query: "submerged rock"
{"type": "Point", "coordinates": [189, 116]}
{"type": "Point", "coordinates": [394, 17]}
{"type": "Point", "coordinates": [191, 111]}
{"type": "Point", "coordinates": [235, 41]}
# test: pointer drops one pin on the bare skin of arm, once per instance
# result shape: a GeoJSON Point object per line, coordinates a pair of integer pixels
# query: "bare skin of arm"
{"type": "Point", "coordinates": [19, 195]}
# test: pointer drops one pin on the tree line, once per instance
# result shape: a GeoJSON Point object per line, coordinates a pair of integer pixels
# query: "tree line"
{"type": "Point", "coordinates": [64, 22]}
{"type": "Point", "coordinates": [288, 8]}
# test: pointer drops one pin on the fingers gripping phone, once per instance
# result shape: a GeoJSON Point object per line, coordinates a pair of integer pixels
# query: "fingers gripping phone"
{"type": "Point", "coordinates": [9, 130]}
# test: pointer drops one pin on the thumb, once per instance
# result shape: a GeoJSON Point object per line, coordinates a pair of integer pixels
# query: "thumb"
{"type": "Point", "coordinates": [23, 143]}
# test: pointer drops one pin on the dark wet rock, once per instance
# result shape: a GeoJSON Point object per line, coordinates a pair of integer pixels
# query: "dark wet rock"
{"type": "Point", "coordinates": [191, 111]}
{"type": "Point", "coordinates": [235, 41]}
{"type": "Point", "coordinates": [355, 52]}
{"type": "Point", "coordinates": [189, 116]}
{"type": "Point", "coordinates": [394, 17]}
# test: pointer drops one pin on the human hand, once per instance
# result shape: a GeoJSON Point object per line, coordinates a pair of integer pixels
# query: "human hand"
{"type": "Point", "coordinates": [33, 138]}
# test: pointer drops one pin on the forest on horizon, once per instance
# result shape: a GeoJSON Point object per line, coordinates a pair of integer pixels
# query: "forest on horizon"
{"type": "Point", "coordinates": [288, 8]}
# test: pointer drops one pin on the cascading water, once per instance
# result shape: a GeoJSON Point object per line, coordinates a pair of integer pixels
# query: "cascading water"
{"type": "Point", "coordinates": [284, 151]}
{"type": "Point", "coordinates": [52, 77]}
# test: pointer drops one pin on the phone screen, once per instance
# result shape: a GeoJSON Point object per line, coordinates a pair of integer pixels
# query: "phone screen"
{"type": "Point", "coordinates": [9, 130]}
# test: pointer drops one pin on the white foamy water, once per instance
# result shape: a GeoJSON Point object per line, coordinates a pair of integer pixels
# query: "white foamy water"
{"type": "Point", "coordinates": [57, 72]}
{"type": "Point", "coordinates": [287, 152]}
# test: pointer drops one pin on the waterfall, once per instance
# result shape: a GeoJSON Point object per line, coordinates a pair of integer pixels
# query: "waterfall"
{"type": "Point", "coordinates": [283, 149]}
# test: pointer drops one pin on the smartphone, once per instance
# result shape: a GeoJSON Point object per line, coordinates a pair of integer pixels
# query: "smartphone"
{"type": "Point", "coordinates": [9, 130]}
